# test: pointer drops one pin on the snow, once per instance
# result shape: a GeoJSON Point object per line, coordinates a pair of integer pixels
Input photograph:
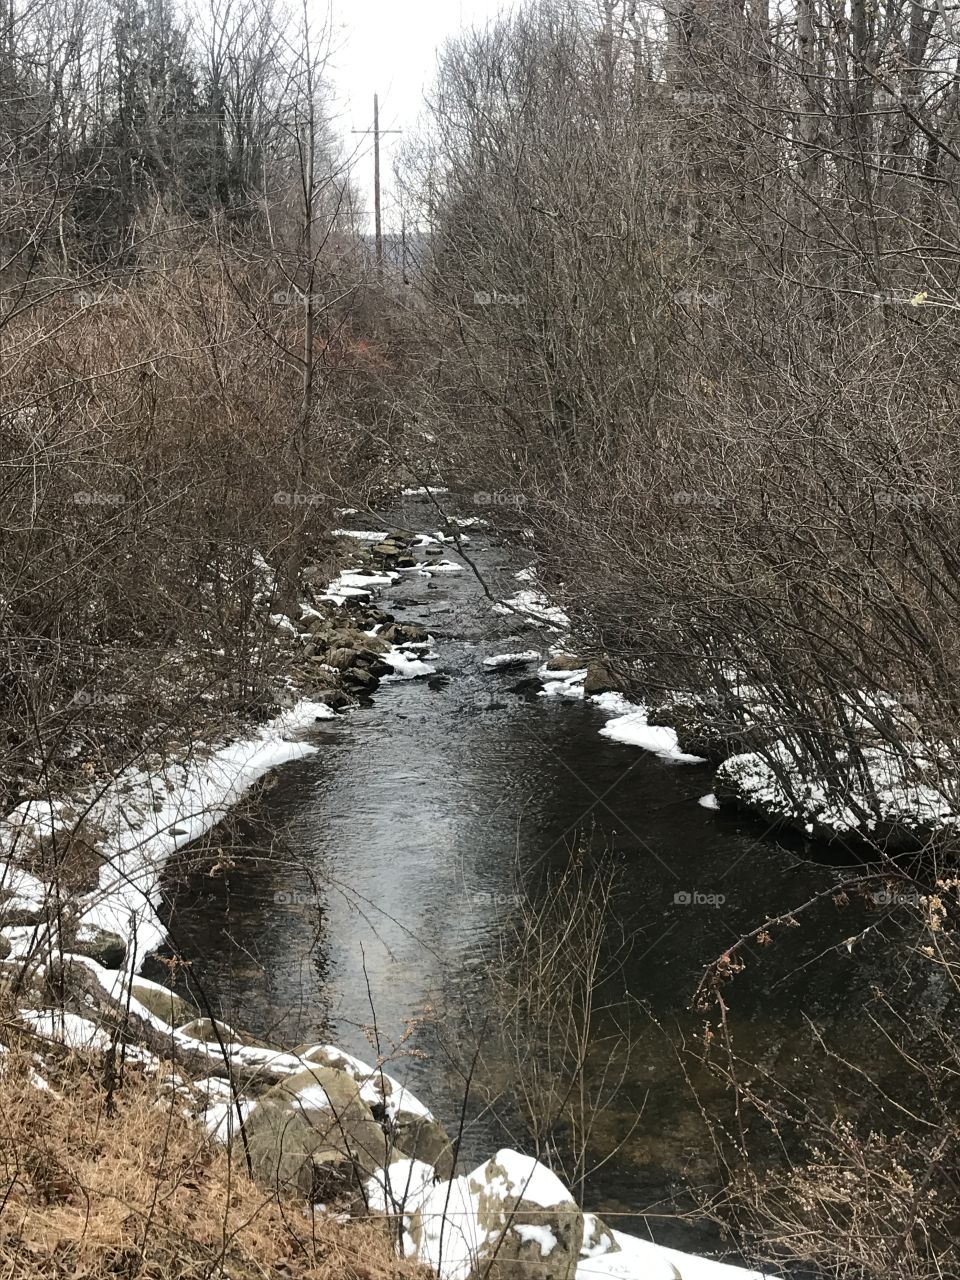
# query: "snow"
{"type": "Point", "coordinates": [562, 684]}
{"type": "Point", "coordinates": [443, 566]}
{"type": "Point", "coordinates": [629, 725]}
{"type": "Point", "coordinates": [512, 659]}
{"type": "Point", "coordinates": [531, 1180]}
{"type": "Point", "coordinates": [362, 535]}
{"type": "Point", "coordinates": [66, 1028]}
{"type": "Point", "coordinates": [778, 787]}
{"type": "Point", "coordinates": [541, 1236]}
{"type": "Point", "coordinates": [422, 489]}
{"type": "Point", "coordinates": [399, 1188]}
{"type": "Point", "coordinates": [709, 801]}
{"type": "Point", "coordinates": [637, 1259]}
{"type": "Point", "coordinates": [221, 1119]}
{"type": "Point", "coordinates": [145, 817]}
{"type": "Point", "coordinates": [282, 623]}
{"type": "Point", "coordinates": [367, 580]}
{"type": "Point", "coordinates": [314, 1097]}
{"type": "Point", "coordinates": [405, 667]}
{"type": "Point", "coordinates": [376, 1087]}
{"type": "Point", "coordinates": [535, 605]}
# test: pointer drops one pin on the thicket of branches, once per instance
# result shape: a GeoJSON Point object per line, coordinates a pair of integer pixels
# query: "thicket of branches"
{"type": "Point", "coordinates": [695, 285]}
{"type": "Point", "coordinates": [190, 360]}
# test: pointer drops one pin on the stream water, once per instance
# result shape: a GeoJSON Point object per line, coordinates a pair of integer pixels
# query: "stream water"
{"type": "Point", "coordinates": [374, 882]}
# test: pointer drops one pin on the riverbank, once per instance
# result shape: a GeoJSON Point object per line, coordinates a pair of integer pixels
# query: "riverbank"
{"type": "Point", "coordinates": [317, 1126]}
{"type": "Point", "coordinates": [101, 1011]}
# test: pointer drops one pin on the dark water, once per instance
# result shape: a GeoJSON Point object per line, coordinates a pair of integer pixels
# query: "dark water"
{"type": "Point", "coordinates": [376, 881]}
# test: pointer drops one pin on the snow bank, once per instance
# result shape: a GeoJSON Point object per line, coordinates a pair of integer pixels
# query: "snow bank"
{"type": "Point", "coordinates": [629, 725]}
{"type": "Point", "coordinates": [636, 1259]}
{"type": "Point", "coordinates": [146, 816]}
{"type": "Point", "coordinates": [500, 660]}
{"type": "Point", "coordinates": [534, 605]}
{"type": "Point", "coordinates": [405, 666]}
{"type": "Point", "coordinates": [894, 796]}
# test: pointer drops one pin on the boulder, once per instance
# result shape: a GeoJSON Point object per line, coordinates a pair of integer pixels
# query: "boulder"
{"type": "Point", "coordinates": [359, 680]}
{"type": "Point", "coordinates": [5, 947]}
{"type": "Point", "coordinates": [107, 948]}
{"type": "Point", "coordinates": [411, 1128]}
{"type": "Point", "coordinates": [313, 1134]}
{"type": "Point", "coordinates": [335, 699]}
{"type": "Point", "coordinates": [342, 658]}
{"type": "Point", "coordinates": [404, 633]}
{"type": "Point", "coordinates": [173, 1009]}
{"type": "Point", "coordinates": [206, 1030]}
{"type": "Point", "coordinates": [508, 1217]}
{"type": "Point", "coordinates": [598, 680]}
{"type": "Point", "coordinates": [563, 662]}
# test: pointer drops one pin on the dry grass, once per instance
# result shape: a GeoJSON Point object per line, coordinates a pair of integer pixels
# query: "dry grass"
{"type": "Point", "coordinates": [128, 1186]}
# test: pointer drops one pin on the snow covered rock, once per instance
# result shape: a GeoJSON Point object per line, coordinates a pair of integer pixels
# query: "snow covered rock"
{"type": "Point", "coordinates": [415, 1131]}
{"type": "Point", "coordinates": [172, 1009]}
{"type": "Point", "coordinates": [888, 803]}
{"type": "Point", "coordinates": [313, 1133]}
{"type": "Point", "coordinates": [509, 1216]}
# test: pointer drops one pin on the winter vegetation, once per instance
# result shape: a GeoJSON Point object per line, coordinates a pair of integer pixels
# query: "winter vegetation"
{"type": "Point", "coordinates": [673, 323]}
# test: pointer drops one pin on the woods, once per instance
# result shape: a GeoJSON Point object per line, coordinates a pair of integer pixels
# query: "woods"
{"type": "Point", "coordinates": [727, 394]}
{"type": "Point", "coordinates": [189, 362]}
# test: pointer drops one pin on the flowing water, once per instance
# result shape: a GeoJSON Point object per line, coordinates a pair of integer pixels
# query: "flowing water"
{"type": "Point", "coordinates": [371, 887]}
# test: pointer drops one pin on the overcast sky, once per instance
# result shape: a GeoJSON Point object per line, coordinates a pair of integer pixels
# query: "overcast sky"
{"type": "Point", "coordinates": [390, 47]}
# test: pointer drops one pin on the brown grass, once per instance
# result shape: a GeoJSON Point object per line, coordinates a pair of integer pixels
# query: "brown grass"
{"type": "Point", "coordinates": [129, 1187]}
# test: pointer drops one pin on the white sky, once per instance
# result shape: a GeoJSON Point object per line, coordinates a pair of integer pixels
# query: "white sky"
{"type": "Point", "coordinates": [389, 47]}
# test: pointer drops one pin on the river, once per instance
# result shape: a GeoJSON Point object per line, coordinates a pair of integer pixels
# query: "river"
{"type": "Point", "coordinates": [375, 883]}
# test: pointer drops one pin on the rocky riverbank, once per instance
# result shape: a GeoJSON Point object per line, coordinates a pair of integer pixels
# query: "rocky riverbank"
{"type": "Point", "coordinates": [311, 1121]}
{"type": "Point", "coordinates": [316, 1124]}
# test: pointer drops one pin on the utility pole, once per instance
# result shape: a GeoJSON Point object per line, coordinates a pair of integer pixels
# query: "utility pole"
{"type": "Point", "coordinates": [377, 133]}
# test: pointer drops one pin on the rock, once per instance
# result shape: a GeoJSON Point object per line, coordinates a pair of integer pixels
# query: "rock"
{"type": "Point", "coordinates": [335, 699]}
{"type": "Point", "coordinates": [598, 680]}
{"type": "Point", "coordinates": [206, 1030]}
{"type": "Point", "coordinates": [342, 658]}
{"type": "Point", "coordinates": [312, 1133]}
{"type": "Point", "coordinates": [385, 551]}
{"type": "Point", "coordinates": [404, 633]}
{"type": "Point", "coordinates": [5, 947]}
{"type": "Point", "coordinates": [598, 1239]}
{"type": "Point", "coordinates": [508, 1217]}
{"type": "Point", "coordinates": [173, 1009]}
{"type": "Point", "coordinates": [107, 948]}
{"type": "Point", "coordinates": [423, 1138]}
{"type": "Point", "coordinates": [563, 662]}
{"type": "Point", "coordinates": [411, 1128]}
{"type": "Point", "coordinates": [376, 666]}
{"type": "Point", "coordinates": [360, 680]}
